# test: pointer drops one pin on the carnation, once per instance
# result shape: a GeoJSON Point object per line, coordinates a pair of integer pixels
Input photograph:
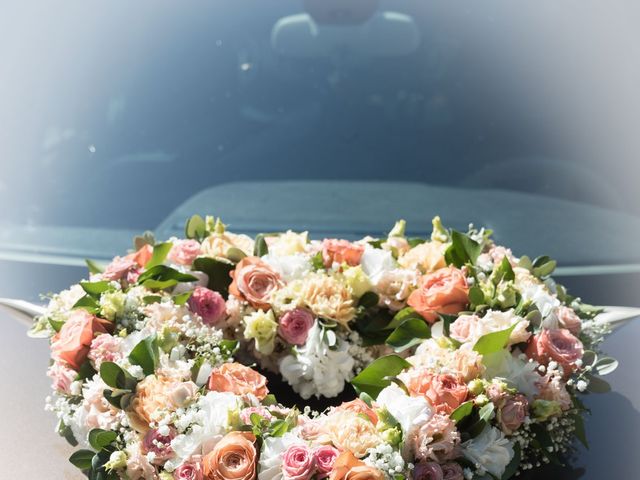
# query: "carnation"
{"type": "Point", "coordinates": [327, 297]}
{"type": "Point", "coordinates": [349, 431]}
{"type": "Point", "coordinates": [489, 452]}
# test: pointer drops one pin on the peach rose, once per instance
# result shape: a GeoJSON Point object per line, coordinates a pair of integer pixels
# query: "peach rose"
{"type": "Point", "coordinates": [348, 467]}
{"type": "Point", "coordinates": [444, 291]}
{"type": "Point", "coordinates": [556, 344]}
{"type": "Point", "coordinates": [359, 407]}
{"type": "Point", "coordinates": [72, 343]}
{"type": "Point", "coordinates": [341, 251]}
{"type": "Point", "coordinates": [427, 257]}
{"type": "Point", "coordinates": [233, 458]}
{"type": "Point", "coordinates": [238, 379]}
{"type": "Point", "coordinates": [254, 281]}
{"type": "Point", "coordinates": [129, 266]}
{"type": "Point", "coordinates": [445, 392]}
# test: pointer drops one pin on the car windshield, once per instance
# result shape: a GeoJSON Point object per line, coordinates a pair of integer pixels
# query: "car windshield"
{"type": "Point", "coordinates": [114, 115]}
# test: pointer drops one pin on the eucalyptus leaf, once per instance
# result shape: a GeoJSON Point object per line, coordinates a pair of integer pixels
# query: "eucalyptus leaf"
{"type": "Point", "coordinates": [374, 378]}
{"type": "Point", "coordinates": [260, 247]}
{"type": "Point", "coordinates": [235, 254]}
{"type": "Point", "coordinates": [605, 366]}
{"type": "Point", "coordinates": [598, 385]}
{"type": "Point", "coordinates": [195, 228]}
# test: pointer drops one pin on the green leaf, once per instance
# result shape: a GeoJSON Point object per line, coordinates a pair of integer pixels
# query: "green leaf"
{"type": "Point", "coordinates": [195, 227]}
{"type": "Point", "coordinates": [512, 466]}
{"type": "Point", "coordinates": [462, 411]}
{"type": "Point", "coordinates": [218, 271]}
{"type": "Point", "coordinates": [161, 277]}
{"type": "Point", "coordinates": [260, 247]}
{"type": "Point", "coordinates": [116, 377]}
{"type": "Point", "coordinates": [82, 459]}
{"type": "Point", "coordinates": [65, 432]}
{"type": "Point", "coordinates": [99, 439]}
{"type": "Point", "coordinates": [317, 262]}
{"type": "Point", "coordinates": [484, 415]}
{"type": "Point", "coordinates": [503, 273]}
{"type": "Point", "coordinates": [463, 250]}
{"type": "Point", "coordinates": [86, 371]}
{"type": "Point", "coordinates": [368, 300]}
{"type": "Point", "coordinates": [149, 299]}
{"type": "Point", "coordinates": [598, 385]}
{"type": "Point", "coordinates": [543, 266]}
{"type": "Point", "coordinates": [374, 378]}
{"type": "Point", "coordinates": [605, 366]}
{"type": "Point", "coordinates": [235, 254]}
{"type": "Point", "coordinates": [146, 355]}
{"type": "Point", "coordinates": [411, 332]}
{"type": "Point", "coordinates": [147, 238]}
{"type": "Point", "coordinates": [402, 316]}
{"type": "Point", "coordinates": [493, 342]}
{"type": "Point", "coordinates": [476, 296]}
{"type": "Point", "coordinates": [93, 267]}
{"type": "Point", "coordinates": [160, 252]}
{"type": "Point", "coordinates": [95, 289]}
{"type": "Point", "coordinates": [182, 298]}
{"type": "Point", "coordinates": [89, 304]}
{"type": "Point", "coordinates": [579, 430]}
{"type": "Point", "coordinates": [56, 324]}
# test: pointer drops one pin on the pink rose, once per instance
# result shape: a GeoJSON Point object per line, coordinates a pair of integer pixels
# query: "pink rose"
{"type": "Point", "coordinates": [512, 410]}
{"type": "Point", "coordinates": [558, 345]}
{"type": "Point", "coordinates": [105, 348]}
{"type": "Point", "coordinates": [464, 327]}
{"type": "Point", "coordinates": [61, 377]}
{"type": "Point", "coordinates": [295, 325]}
{"type": "Point", "coordinates": [427, 471]}
{"type": "Point", "coordinates": [158, 444]}
{"type": "Point", "coordinates": [128, 267]}
{"type": "Point", "coordinates": [188, 471]}
{"type": "Point", "coordinates": [184, 252]}
{"type": "Point", "coordinates": [298, 463]}
{"type": "Point", "coordinates": [208, 304]}
{"type": "Point", "coordinates": [341, 251]}
{"type": "Point", "coordinates": [443, 291]}
{"type": "Point", "coordinates": [452, 471]}
{"type": "Point", "coordinates": [254, 281]}
{"type": "Point", "coordinates": [72, 343]}
{"type": "Point", "coordinates": [569, 319]}
{"type": "Point", "coordinates": [325, 457]}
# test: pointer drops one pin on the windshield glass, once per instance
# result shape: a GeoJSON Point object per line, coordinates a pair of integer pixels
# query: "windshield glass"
{"type": "Point", "coordinates": [115, 114]}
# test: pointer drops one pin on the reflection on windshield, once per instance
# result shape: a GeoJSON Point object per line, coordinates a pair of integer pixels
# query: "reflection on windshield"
{"type": "Point", "coordinates": [154, 104]}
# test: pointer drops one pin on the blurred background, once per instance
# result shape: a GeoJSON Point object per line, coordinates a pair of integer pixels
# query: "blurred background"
{"type": "Point", "coordinates": [333, 116]}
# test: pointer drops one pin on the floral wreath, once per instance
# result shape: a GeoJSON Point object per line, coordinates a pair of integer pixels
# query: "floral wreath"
{"type": "Point", "coordinates": [467, 360]}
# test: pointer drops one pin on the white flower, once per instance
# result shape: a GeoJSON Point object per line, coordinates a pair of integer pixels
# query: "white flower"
{"type": "Point", "coordinates": [375, 262]}
{"type": "Point", "coordinates": [271, 455]}
{"type": "Point", "coordinates": [490, 451]}
{"type": "Point", "coordinates": [210, 418]}
{"type": "Point", "coordinates": [411, 412]}
{"type": "Point", "coordinates": [317, 369]}
{"type": "Point", "coordinates": [288, 243]}
{"type": "Point", "coordinates": [290, 267]}
{"type": "Point", "coordinates": [537, 292]}
{"type": "Point", "coordinates": [519, 374]}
